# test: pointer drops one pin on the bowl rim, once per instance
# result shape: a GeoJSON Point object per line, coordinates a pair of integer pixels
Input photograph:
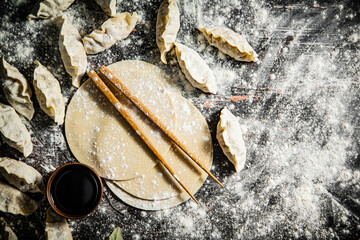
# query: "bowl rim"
{"type": "Point", "coordinates": [51, 201]}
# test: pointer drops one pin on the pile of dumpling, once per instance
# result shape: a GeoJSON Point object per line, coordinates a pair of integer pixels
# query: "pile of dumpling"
{"type": "Point", "coordinates": [193, 66]}
{"type": "Point", "coordinates": [73, 51]}
{"type": "Point", "coordinates": [16, 180]}
{"type": "Point", "coordinates": [18, 93]}
{"type": "Point", "coordinates": [201, 76]}
{"type": "Point", "coordinates": [21, 178]}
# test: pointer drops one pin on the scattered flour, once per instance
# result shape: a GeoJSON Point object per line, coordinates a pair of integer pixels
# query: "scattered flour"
{"type": "Point", "coordinates": [298, 109]}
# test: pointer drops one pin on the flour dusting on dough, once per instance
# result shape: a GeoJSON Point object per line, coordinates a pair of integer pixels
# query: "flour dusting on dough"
{"type": "Point", "coordinates": [299, 106]}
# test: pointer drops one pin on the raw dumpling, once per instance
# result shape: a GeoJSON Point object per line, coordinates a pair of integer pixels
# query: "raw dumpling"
{"type": "Point", "coordinates": [230, 43]}
{"type": "Point", "coordinates": [14, 131]}
{"type": "Point", "coordinates": [49, 8]}
{"type": "Point", "coordinates": [17, 90]}
{"type": "Point", "coordinates": [56, 226]}
{"type": "Point", "coordinates": [72, 50]}
{"type": "Point", "coordinates": [108, 6]}
{"type": "Point", "coordinates": [230, 139]}
{"type": "Point", "coordinates": [110, 32]}
{"type": "Point", "coordinates": [15, 202]}
{"type": "Point", "coordinates": [48, 93]}
{"type": "Point", "coordinates": [22, 176]}
{"type": "Point", "coordinates": [6, 233]}
{"type": "Point", "coordinates": [167, 27]}
{"type": "Point", "coordinates": [195, 69]}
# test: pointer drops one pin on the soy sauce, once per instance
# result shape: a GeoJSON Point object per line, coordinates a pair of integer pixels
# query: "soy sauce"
{"type": "Point", "coordinates": [76, 190]}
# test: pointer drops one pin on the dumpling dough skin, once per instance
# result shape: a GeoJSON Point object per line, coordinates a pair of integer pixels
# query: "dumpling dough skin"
{"type": "Point", "coordinates": [15, 202]}
{"type": "Point", "coordinates": [167, 27]}
{"type": "Point", "coordinates": [13, 131]}
{"type": "Point", "coordinates": [17, 90]}
{"type": "Point", "coordinates": [108, 6]}
{"type": "Point", "coordinates": [49, 8]}
{"type": "Point", "coordinates": [99, 137]}
{"type": "Point", "coordinates": [56, 227]}
{"type": "Point", "coordinates": [230, 43]}
{"type": "Point", "coordinates": [72, 51]}
{"type": "Point", "coordinates": [48, 93]}
{"type": "Point", "coordinates": [110, 32]}
{"type": "Point", "coordinates": [230, 139]}
{"type": "Point", "coordinates": [195, 69]}
{"type": "Point", "coordinates": [22, 176]}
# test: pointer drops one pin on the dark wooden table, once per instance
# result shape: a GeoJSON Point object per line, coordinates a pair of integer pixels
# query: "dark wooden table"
{"type": "Point", "coordinates": [298, 107]}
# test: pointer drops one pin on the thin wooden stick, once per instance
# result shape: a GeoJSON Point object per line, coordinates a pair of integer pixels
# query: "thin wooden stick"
{"type": "Point", "coordinates": [114, 101]}
{"type": "Point", "coordinates": [121, 86]}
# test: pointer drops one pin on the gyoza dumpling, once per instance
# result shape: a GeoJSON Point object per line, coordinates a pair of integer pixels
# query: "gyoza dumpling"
{"type": "Point", "coordinates": [195, 69]}
{"type": "Point", "coordinates": [15, 202]}
{"type": "Point", "coordinates": [22, 176]}
{"type": "Point", "coordinates": [6, 233]}
{"type": "Point", "coordinates": [167, 27]}
{"type": "Point", "coordinates": [72, 50]}
{"type": "Point", "coordinates": [49, 8]}
{"type": "Point", "coordinates": [230, 139]}
{"type": "Point", "coordinates": [110, 32]}
{"type": "Point", "coordinates": [56, 226]}
{"type": "Point", "coordinates": [230, 43]}
{"type": "Point", "coordinates": [48, 93]}
{"type": "Point", "coordinates": [17, 90]}
{"type": "Point", "coordinates": [13, 131]}
{"type": "Point", "coordinates": [108, 6]}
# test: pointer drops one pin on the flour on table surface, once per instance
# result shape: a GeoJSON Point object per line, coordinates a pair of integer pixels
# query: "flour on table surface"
{"type": "Point", "coordinates": [299, 110]}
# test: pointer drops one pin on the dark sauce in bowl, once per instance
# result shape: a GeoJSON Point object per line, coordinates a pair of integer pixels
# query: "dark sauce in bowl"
{"type": "Point", "coordinates": [75, 190]}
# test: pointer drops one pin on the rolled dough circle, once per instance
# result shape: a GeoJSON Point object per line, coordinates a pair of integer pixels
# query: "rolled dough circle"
{"type": "Point", "coordinates": [193, 131]}
{"type": "Point", "coordinates": [98, 135]}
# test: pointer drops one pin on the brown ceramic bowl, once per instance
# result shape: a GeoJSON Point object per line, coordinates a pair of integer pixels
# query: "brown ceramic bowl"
{"type": "Point", "coordinates": [74, 190]}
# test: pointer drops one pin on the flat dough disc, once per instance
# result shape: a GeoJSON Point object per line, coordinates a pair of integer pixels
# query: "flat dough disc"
{"type": "Point", "coordinates": [193, 131]}
{"type": "Point", "coordinates": [98, 135]}
{"type": "Point", "coordinates": [153, 205]}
